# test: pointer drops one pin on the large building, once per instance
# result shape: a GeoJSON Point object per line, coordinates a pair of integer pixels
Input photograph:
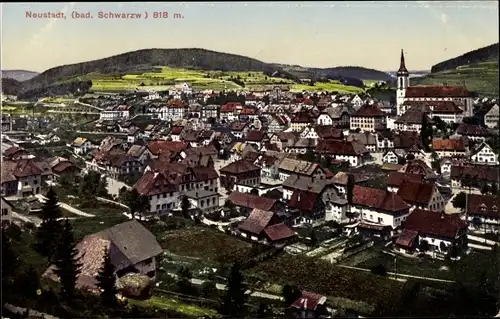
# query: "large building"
{"type": "Point", "coordinates": [429, 93]}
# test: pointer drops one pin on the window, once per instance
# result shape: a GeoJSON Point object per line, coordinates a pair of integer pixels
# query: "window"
{"type": "Point", "coordinates": [165, 195]}
{"type": "Point", "coordinates": [35, 182]}
{"type": "Point", "coordinates": [5, 211]}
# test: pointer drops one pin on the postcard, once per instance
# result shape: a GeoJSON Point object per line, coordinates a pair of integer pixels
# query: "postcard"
{"type": "Point", "coordinates": [307, 159]}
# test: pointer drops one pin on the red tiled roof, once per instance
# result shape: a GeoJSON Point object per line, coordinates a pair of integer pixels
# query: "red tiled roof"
{"type": "Point", "coordinates": [309, 301]}
{"type": "Point", "coordinates": [446, 107]}
{"type": "Point", "coordinates": [436, 91]}
{"type": "Point", "coordinates": [480, 172]}
{"type": "Point", "coordinates": [256, 221]}
{"type": "Point", "coordinates": [378, 199]}
{"type": "Point", "coordinates": [434, 223]}
{"type": "Point", "coordinates": [278, 232]}
{"type": "Point", "coordinates": [177, 130]}
{"type": "Point", "coordinates": [239, 167]}
{"type": "Point", "coordinates": [303, 200]}
{"type": "Point", "coordinates": [302, 117]}
{"type": "Point", "coordinates": [415, 192]}
{"type": "Point", "coordinates": [448, 145]}
{"type": "Point", "coordinates": [329, 132]}
{"type": "Point", "coordinates": [13, 169]}
{"type": "Point", "coordinates": [62, 166]}
{"type": "Point", "coordinates": [369, 110]}
{"type": "Point", "coordinates": [238, 126]}
{"type": "Point", "coordinates": [252, 201]}
{"type": "Point", "coordinates": [483, 205]}
{"type": "Point", "coordinates": [407, 238]}
{"type": "Point", "coordinates": [336, 147]}
{"type": "Point", "coordinates": [255, 136]}
{"type": "Point", "coordinates": [397, 178]}
{"type": "Point", "coordinates": [159, 146]}
{"type": "Point", "coordinates": [152, 183]}
{"type": "Point", "coordinates": [13, 150]}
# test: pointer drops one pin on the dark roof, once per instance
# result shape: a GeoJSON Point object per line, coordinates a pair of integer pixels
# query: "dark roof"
{"type": "Point", "coordinates": [303, 200]}
{"type": "Point", "coordinates": [415, 192]}
{"type": "Point", "coordinates": [472, 129]}
{"type": "Point", "coordinates": [255, 136]}
{"type": "Point", "coordinates": [480, 172]}
{"type": "Point", "coordinates": [483, 205]}
{"type": "Point", "coordinates": [278, 232]}
{"type": "Point", "coordinates": [256, 221]}
{"type": "Point", "coordinates": [397, 178]}
{"type": "Point", "coordinates": [437, 91]}
{"type": "Point", "coordinates": [336, 147]}
{"type": "Point", "coordinates": [413, 115]}
{"type": "Point", "coordinates": [369, 110]}
{"type": "Point", "coordinates": [407, 238]}
{"type": "Point", "coordinates": [309, 301]}
{"type": "Point", "coordinates": [239, 167]}
{"type": "Point", "coordinates": [434, 223]}
{"type": "Point", "coordinates": [379, 199]}
{"type": "Point", "coordinates": [252, 201]}
{"type": "Point", "coordinates": [153, 183]}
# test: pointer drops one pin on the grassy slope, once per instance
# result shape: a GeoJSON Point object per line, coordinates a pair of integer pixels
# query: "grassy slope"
{"type": "Point", "coordinates": [480, 77]}
{"type": "Point", "coordinates": [202, 80]}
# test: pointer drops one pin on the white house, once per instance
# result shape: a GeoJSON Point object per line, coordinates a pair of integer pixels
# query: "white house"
{"type": "Point", "coordinates": [81, 146]}
{"type": "Point", "coordinates": [115, 113]}
{"type": "Point", "coordinates": [205, 200]}
{"type": "Point", "coordinates": [484, 155]}
{"type": "Point", "coordinates": [162, 195]}
{"type": "Point", "coordinates": [6, 211]}
{"type": "Point", "coordinates": [491, 118]}
{"type": "Point", "coordinates": [379, 206]}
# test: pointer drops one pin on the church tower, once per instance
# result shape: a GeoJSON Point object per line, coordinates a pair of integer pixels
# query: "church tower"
{"type": "Point", "coordinates": [403, 83]}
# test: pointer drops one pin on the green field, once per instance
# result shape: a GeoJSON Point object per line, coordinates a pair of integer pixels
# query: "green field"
{"type": "Point", "coordinates": [199, 80]}
{"type": "Point", "coordinates": [480, 77]}
{"type": "Point", "coordinates": [20, 109]}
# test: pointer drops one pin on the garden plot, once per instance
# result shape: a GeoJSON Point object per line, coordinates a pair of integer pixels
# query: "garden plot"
{"type": "Point", "coordinates": [328, 247]}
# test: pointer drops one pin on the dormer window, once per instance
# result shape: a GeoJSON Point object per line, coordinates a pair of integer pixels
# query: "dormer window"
{"type": "Point", "coordinates": [483, 207]}
{"type": "Point", "coordinates": [495, 209]}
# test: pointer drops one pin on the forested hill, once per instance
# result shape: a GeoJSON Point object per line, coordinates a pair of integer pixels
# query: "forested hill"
{"type": "Point", "coordinates": [146, 60]}
{"type": "Point", "coordinates": [489, 53]}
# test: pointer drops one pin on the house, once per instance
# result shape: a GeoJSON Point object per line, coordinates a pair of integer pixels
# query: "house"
{"type": "Point", "coordinates": [257, 138]}
{"type": "Point", "coordinates": [367, 138]}
{"type": "Point", "coordinates": [204, 200]}
{"type": "Point", "coordinates": [448, 111]}
{"type": "Point", "coordinates": [353, 152]}
{"type": "Point", "coordinates": [159, 188]}
{"type": "Point", "coordinates": [411, 120]}
{"type": "Point", "coordinates": [81, 146]}
{"type": "Point", "coordinates": [277, 123]}
{"type": "Point", "coordinates": [474, 176]}
{"type": "Point", "coordinates": [248, 202]}
{"type": "Point", "coordinates": [269, 166]}
{"type": "Point", "coordinates": [175, 110]}
{"type": "Point", "coordinates": [328, 132]}
{"type": "Point", "coordinates": [15, 152]}
{"type": "Point", "coordinates": [229, 111]}
{"type": "Point", "coordinates": [309, 305]}
{"type": "Point", "coordinates": [433, 232]}
{"type": "Point", "coordinates": [484, 155]}
{"type": "Point", "coordinates": [62, 166]}
{"type": "Point", "coordinates": [121, 166]}
{"type": "Point", "coordinates": [240, 172]}
{"type": "Point", "coordinates": [175, 133]}
{"type": "Point", "coordinates": [448, 147]}
{"type": "Point", "coordinates": [368, 117]}
{"type": "Point", "coordinates": [20, 178]}
{"type": "Point", "coordinates": [483, 212]}
{"type": "Point", "coordinates": [491, 117]}
{"type": "Point", "coordinates": [340, 181]}
{"type": "Point", "coordinates": [289, 166]}
{"type": "Point", "coordinates": [115, 113]}
{"type": "Point", "coordinates": [394, 156]}
{"type": "Point", "coordinates": [421, 195]}
{"type": "Point", "coordinates": [396, 179]}
{"type": "Point", "coordinates": [336, 207]}
{"type": "Point", "coordinates": [6, 209]}
{"type": "Point", "coordinates": [473, 132]}
{"type": "Point", "coordinates": [376, 206]}
{"type": "Point", "coordinates": [139, 152]}
{"type": "Point", "coordinates": [210, 111]}
{"type": "Point", "coordinates": [265, 226]}
{"type": "Point", "coordinates": [133, 250]}
{"type": "Point", "coordinates": [302, 146]}
{"type": "Point", "coordinates": [238, 129]}
{"type": "Point", "coordinates": [300, 121]}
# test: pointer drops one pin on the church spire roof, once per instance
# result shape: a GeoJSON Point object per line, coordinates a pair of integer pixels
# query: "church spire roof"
{"type": "Point", "coordinates": [402, 68]}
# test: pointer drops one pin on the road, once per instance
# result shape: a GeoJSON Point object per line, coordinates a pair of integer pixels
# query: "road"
{"type": "Point", "coordinates": [66, 207]}
{"type": "Point", "coordinates": [114, 186]}
{"type": "Point", "coordinates": [483, 240]}
{"type": "Point", "coordinates": [258, 294]}
{"type": "Point", "coordinates": [400, 275]}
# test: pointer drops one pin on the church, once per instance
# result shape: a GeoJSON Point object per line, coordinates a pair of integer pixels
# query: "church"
{"type": "Point", "coordinates": [429, 93]}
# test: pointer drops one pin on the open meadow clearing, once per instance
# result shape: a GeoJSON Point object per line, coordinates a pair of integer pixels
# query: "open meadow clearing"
{"type": "Point", "coordinates": [479, 77]}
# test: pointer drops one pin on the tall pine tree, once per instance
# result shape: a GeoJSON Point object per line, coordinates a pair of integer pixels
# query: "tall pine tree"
{"type": "Point", "coordinates": [47, 235]}
{"type": "Point", "coordinates": [349, 195]}
{"type": "Point", "coordinates": [67, 262]}
{"type": "Point", "coordinates": [233, 303]}
{"type": "Point", "coordinates": [106, 281]}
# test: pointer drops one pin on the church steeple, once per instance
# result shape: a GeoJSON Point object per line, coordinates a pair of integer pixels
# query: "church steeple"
{"type": "Point", "coordinates": [402, 67]}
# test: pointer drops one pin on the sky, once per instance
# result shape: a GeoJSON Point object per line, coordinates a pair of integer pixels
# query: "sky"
{"type": "Point", "coordinates": [314, 34]}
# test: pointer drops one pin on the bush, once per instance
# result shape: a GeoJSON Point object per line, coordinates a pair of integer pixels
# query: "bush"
{"type": "Point", "coordinates": [379, 270]}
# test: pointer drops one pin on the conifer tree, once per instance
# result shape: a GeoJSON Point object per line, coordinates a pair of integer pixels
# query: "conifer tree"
{"type": "Point", "coordinates": [106, 281]}
{"type": "Point", "coordinates": [233, 304]}
{"type": "Point", "coordinates": [67, 262]}
{"type": "Point", "coordinates": [47, 235]}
